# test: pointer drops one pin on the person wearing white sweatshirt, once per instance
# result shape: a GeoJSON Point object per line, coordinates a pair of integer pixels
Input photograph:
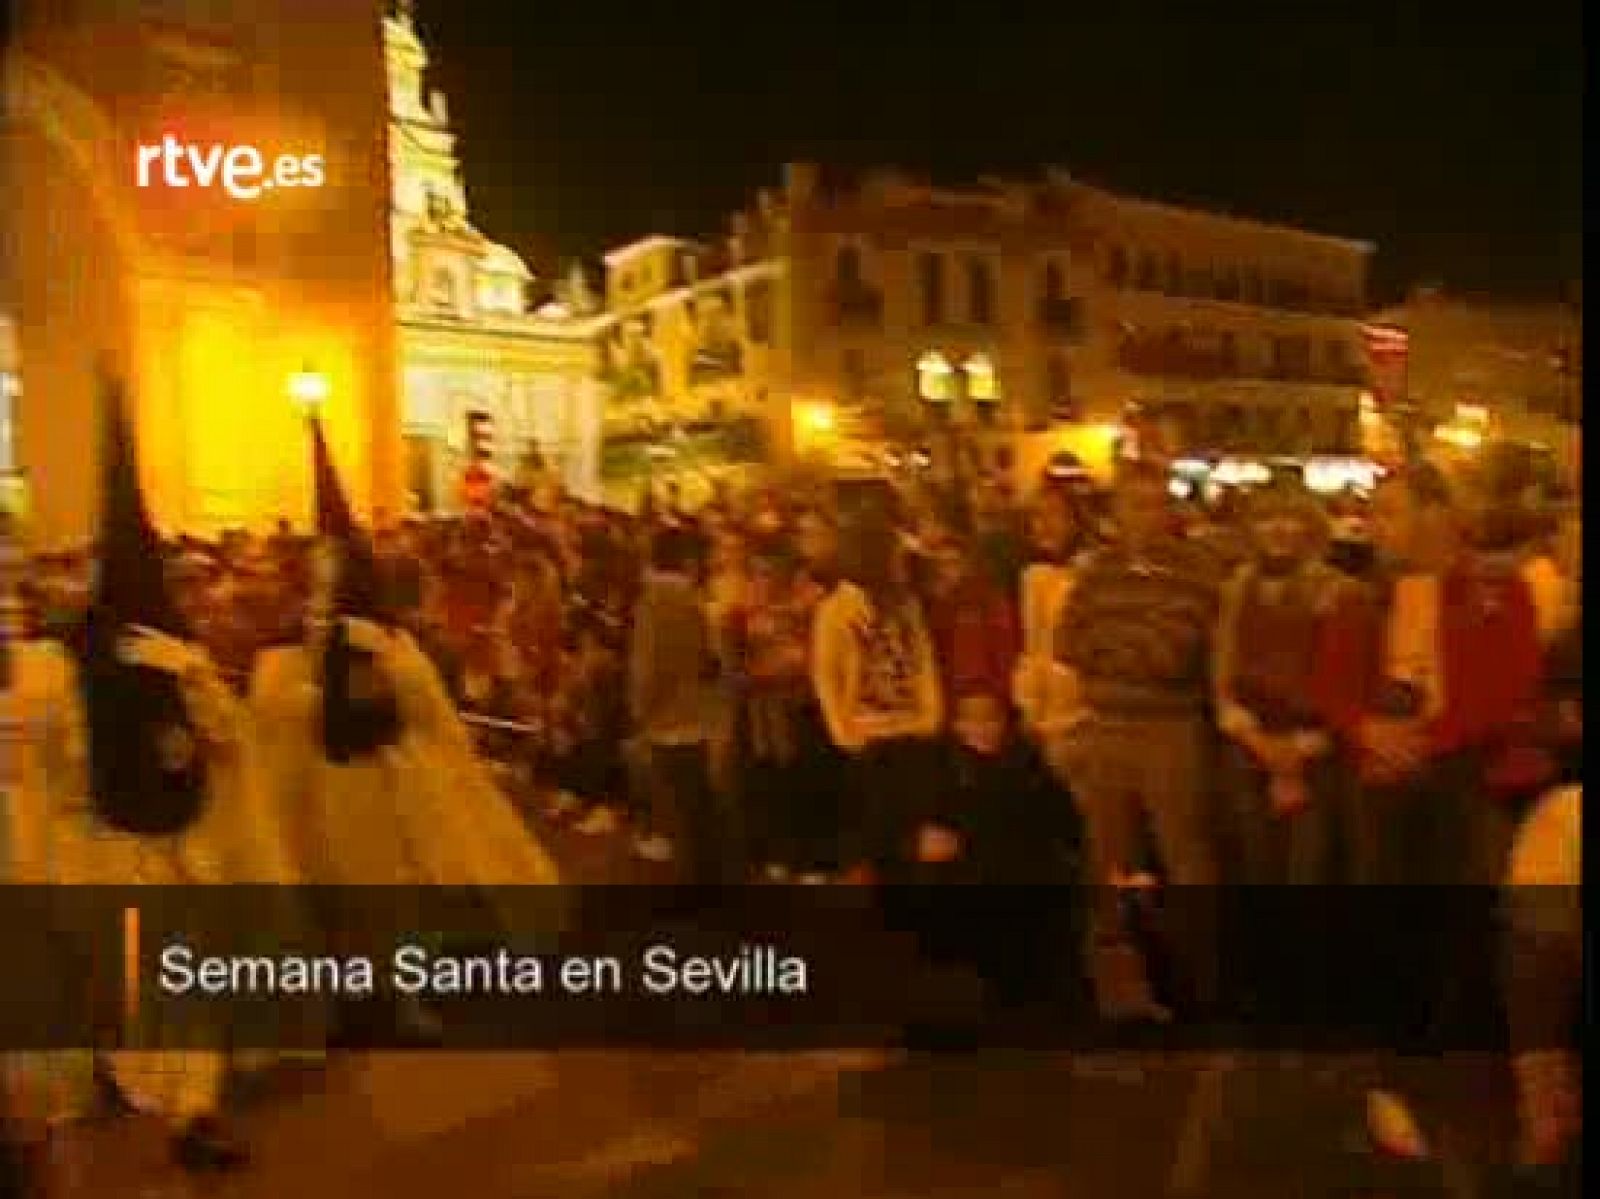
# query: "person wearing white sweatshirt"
{"type": "Point", "coordinates": [877, 682]}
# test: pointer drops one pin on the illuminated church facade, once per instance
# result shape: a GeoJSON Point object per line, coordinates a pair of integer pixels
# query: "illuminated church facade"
{"type": "Point", "coordinates": [475, 353]}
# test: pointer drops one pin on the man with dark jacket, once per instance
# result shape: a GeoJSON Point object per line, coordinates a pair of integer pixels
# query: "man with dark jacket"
{"type": "Point", "coordinates": [672, 693]}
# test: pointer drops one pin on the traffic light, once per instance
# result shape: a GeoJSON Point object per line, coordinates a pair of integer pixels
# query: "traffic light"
{"type": "Point", "coordinates": [480, 437]}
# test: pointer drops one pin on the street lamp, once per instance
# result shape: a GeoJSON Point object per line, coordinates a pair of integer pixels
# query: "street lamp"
{"type": "Point", "coordinates": [309, 390]}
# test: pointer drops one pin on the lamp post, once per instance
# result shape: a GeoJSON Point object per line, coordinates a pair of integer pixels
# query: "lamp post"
{"type": "Point", "coordinates": [309, 390]}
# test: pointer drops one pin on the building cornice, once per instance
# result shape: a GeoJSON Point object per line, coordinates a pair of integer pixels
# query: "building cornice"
{"type": "Point", "coordinates": [633, 251]}
{"type": "Point", "coordinates": [771, 268]}
{"type": "Point", "coordinates": [1247, 225]}
{"type": "Point", "coordinates": [418, 319]}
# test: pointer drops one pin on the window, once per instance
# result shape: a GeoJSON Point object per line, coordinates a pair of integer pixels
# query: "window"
{"type": "Point", "coordinates": [758, 312]}
{"type": "Point", "coordinates": [1149, 273]}
{"type": "Point", "coordinates": [980, 289]}
{"type": "Point", "coordinates": [1228, 283]}
{"type": "Point", "coordinates": [1269, 429]}
{"type": "Point", "coordinates": [1234, 425]}
{"type": "Point", "coordinates": [930, 275]}
{"type": "Point", "coordinates": [982, 383]}
{"type": "Point", "coordinates": [1251, 291]}
{"type": "Point", "coordinates": [442, 294]}
{"type": "Point", "coordinates": [1175, 280]}
{"type": "Point", "coordinates": [847, 268]}
{"type": "Point", "coordinates": [1055, 283]}
{"type": "Point", "coordinates": [853, 376]}
{"type": "Point", "coordinates": [1337, 355]}
{"type": "Point", "coordinates": [1117, 268]}
{"type": "Point", "coordinates": [935, 378]}
{"type": "Point", "coordinates": [1058, 388]}
{"type": "Point", "coordinates": [1228, 351]}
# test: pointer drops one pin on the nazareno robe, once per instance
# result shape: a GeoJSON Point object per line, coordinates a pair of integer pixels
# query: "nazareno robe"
{"type": "Point", "coordinates": [421, 812]}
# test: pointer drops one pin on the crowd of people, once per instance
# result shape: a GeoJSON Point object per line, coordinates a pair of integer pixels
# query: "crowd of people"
{"type": "Point", "coordinates": [896, 680]}
{"type": "Point", "coordinates": [1247, 679]}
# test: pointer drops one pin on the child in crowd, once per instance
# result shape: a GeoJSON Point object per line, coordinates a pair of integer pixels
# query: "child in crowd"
{"type": "Point", "coordinates": [1000, 818]}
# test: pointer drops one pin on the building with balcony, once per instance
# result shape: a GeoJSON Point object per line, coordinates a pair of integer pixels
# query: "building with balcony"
{"type": "Point", "coordinates": [1478, 368]}
{"type": "Point", "coordinates": [1019, 317]}
{"type": "Point", "coordinates": [480, 346]}
{"type": "Point", "coordinates": [1226, 335]}
{"type": "Point", "coordinates": [689, 359]}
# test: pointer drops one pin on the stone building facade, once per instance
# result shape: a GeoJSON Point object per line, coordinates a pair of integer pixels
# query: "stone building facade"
{"type": "Point", "coordinates": [1034, 316]}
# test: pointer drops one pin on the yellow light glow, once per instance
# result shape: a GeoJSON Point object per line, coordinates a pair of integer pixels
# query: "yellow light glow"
{"type": "Point", "coordinates": [1459, 436]}
{"type": "Point", "coordinates": [981, 381]}
{"type": "Point", "coordinates": [1472, 414]}
{"type": "Point", "coordinates": [815, 419]}
{"type": "Point", "coordinates": [1094, 445]}
{"type": "Point", "coordinates": [935, 377]}
{"type": "Point", "coordinates": [1234, 472]}
{"type": "Point", "coordinates": [308, 389]}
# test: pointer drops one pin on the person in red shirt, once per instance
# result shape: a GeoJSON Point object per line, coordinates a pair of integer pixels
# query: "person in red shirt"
{"type": "Point", "coordinates": [977, 631]}
{"type": "Point", "coordinates": [477, 488]}
{"type": "Point", "coordinates": [1426, 683]}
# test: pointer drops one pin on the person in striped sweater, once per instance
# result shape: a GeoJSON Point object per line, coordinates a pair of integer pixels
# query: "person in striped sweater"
{"type": "Point", "coordinates": [1137, 632]}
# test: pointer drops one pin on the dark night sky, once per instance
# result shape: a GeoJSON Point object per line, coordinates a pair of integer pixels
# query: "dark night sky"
{"type": "Point", "coordinates": [1449, 134]}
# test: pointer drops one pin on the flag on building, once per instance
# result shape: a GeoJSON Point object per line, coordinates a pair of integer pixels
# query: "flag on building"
{"type": "Point", "coordinates": [1388, 349]}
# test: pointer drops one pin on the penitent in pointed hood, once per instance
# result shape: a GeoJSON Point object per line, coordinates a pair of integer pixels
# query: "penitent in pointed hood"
{"type": "Point", "coordinates": [360, 714]}
{"type": "Point", "coordinates": [147, 772]}
{"type": "Point", "coordinates": [130, 582]}
{"type": "Point", "coordinates": [358, 591]}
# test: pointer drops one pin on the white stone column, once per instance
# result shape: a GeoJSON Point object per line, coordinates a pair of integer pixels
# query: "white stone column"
{"type": "Point", "coordinates": [583, 472]}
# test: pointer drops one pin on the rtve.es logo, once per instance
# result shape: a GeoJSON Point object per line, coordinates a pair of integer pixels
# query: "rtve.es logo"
{"type": "Point", "coordinates": [242, 169]}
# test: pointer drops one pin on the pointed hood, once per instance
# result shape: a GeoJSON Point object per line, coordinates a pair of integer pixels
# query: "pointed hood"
{"type": "Point", "coordinates": [147, 771]}
{"type": "Point", "coordinates": [358, 591]}
{"type": "Point", "coordinates": [360, 714]}
{"type": "Point", "coordinates": [130, 584]}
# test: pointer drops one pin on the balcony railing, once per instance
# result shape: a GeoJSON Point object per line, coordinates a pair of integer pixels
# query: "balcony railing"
{"type": "Point", "coordinates": [1180, 360]}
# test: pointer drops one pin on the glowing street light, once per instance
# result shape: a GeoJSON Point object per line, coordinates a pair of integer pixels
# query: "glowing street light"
{"type": "Point", "coordinates": [816, 420]}
{"type": "Point", "coordinates": [309, 390]}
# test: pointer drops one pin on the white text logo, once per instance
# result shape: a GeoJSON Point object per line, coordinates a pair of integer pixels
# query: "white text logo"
{"type": "Point", "coordinates": [242, 169]}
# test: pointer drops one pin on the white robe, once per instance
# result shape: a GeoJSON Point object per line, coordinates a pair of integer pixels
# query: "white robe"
{"type": "Point", "coordinates": [421, 812]}
{"type": "Point", "coordinates": [51, 836]}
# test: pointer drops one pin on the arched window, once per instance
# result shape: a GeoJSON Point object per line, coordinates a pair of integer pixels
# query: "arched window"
{"type": "Point", "coordinates": [935, 378]}
{"type": "Point", "coordinates": [980, 288]}
{"type": "Point", "coordinates": [983, 384]}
